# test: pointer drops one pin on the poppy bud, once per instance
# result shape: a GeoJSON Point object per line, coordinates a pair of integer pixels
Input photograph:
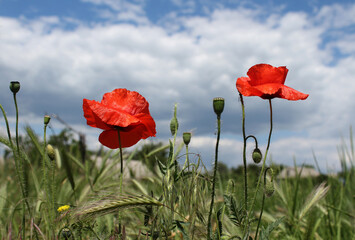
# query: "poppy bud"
{"type": "Point", "coordinates": [15, 87]}
{"type": "Point", "coordinates": [269, 188]}
{"type": "Point", "coordinates": [50, 152]}
{"type": "Point", "coordinates": [46, 119]}
{"type": "Point", "coordinates": [174, 125]}
{"type": "Point", "coordinates": [186, 136]}
{"type": "Point", "coordinates": [218, 105]}
{"type": "Point", "coordinates": [269, 185]}
{"type": "Point", "coordinates": [257, 155]}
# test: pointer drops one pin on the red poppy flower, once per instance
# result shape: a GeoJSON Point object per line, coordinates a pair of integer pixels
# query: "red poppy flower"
{"type": "Point", "coordinates": [123, 110]}
{"type": "Point", "coordinates": [267, 82]}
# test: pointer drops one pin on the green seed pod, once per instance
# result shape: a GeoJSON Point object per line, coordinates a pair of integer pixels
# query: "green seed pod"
{"type": "Point", "coordinates": [186, 136]}
{"type": "Point", "coordinates": [50, 152]}
{"type": "Point", "coordinates": [46, 119]}
{"type": "Point", "coordinates": [257, 155]}
{"type": "Point", "coordinates": [15, 87]}
{"type": "Point", "coordinates": [218, 105]}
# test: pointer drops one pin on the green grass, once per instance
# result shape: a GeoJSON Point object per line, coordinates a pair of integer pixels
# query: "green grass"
{"type": "Point", "coordinates": [303, 208]}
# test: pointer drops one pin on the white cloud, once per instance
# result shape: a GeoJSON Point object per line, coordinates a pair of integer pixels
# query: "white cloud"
{"type": "Point", "coordinates": [200, 58]}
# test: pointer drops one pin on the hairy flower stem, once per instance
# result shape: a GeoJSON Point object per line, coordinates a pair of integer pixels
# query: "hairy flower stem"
{"type": "Point", "coordinates": [121, 179]}
{"type": "Point", "coordinates": [209, 227]}
{"type": "Point", "coordinates": [262, 207]}
{"type": "Point", "coordinates": [264, 160]}
{"type": "Point", "coordinates": [22, 178]}
{"type": "Point", "coordinates": [46, 183]}
{"type": "Point", "coordinates": [244, 157]}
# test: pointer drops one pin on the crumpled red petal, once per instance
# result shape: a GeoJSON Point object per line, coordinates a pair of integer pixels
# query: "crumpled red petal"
{"type": "Point", "coordinates": [129, 136]}
{"type": "Point", "coordinates": [112, 116]}
{"type": "Point", "coordinates": [269, 88]}
{"type": "Point", "coordinates": [91, 118]}
{"type": "Point", "coordinates": [291, 94]}
{"type": "Point", "coordinates": [127, 101]}
{"type": "Point", "coordinates": [264, 73]}
{"type": "Point", "coordinates": [244, 87]}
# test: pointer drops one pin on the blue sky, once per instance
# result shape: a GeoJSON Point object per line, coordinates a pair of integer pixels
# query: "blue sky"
{"type": "Point", "coordinates": [187, 52]}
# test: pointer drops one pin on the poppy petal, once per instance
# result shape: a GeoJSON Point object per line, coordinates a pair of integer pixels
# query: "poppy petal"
{"type": "Point", "coordinates": [264, 73]}
{"type": "Point", "coordinates": [126, 101]}
{"type": "Point", "coordinates": [269, 89]}
{"type": "Point", "coordinates": [244, 87]}
{"type": "Point", "coordinates": [129, 137]}
{"type": "Point", "coordinates": [91, 118]}
{"type": "Point", "coordinates": [292, 94]}
{"type": "Point", "coordinates": [149, 124]}
{"type": "Point", "coordinates": [112, 116]}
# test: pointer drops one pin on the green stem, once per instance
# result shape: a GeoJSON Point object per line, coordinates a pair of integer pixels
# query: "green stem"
{"type": "Point", "coordinates": [121, 178]}
{"type": "Point", "coordinates": [24, 191]}
{"type": "Point", "coordinates": [214, 177]}
{"type": "Point", "coordinates": [262, 206]}
{"type": "Point", "coordinates": [264, 160]}
{"type": "Point", "coordinates": [244, 158]}
{"type": "Point", "coordinates": [46, 182]}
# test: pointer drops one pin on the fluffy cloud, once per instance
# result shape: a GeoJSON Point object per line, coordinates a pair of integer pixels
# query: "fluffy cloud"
{"type": "Point", "coordinates": [200, 58]}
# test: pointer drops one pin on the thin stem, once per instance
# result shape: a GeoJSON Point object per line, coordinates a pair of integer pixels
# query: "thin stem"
{"type": "Point", "coordinates": [24, 191]}
{"type": "Point", "coordinates": [46, 182]}
{"type": "Point", "coordinates": [244, 157]}
{"type": "Point", "coordinates": [256, 141]}
{"type": "Point", "coordinates": [121, 177]}
{"type": "Point", "coordinates": [214, 177]}
{"type": "Point", "coordinates": [262, 206]}
{"type": "Point", "coordinates": [187, 158]}
{"type": "Point", "coordinates": [264, 160]}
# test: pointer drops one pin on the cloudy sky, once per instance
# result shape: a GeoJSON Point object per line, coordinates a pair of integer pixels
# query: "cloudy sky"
{"type": "Point", "coordinates": [187, 52]}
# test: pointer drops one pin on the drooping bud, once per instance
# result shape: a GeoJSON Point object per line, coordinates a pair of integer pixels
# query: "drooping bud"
{"type": "Point", "coordinates": [174, 124]}
{"type": "Point", "coordinates": [269, 185]}
{"type": "Point", "coordinates": [269, 188]}
{"type": "Point", "coordinates": [46, 119]}
{"type": "Point", "coordinates": [257, 155]}
{"type": "Point", "coordinates": [218, 105]}
{"type": "Point", "coordinates": [50, 152]}
{"type": "Point", "coordinates": [15, 86]}
{"type": "Point", "coordinates": [186, 136]}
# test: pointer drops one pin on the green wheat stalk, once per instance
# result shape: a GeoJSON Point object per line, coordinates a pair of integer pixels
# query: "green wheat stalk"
{"type": "Point", "coordinates": [111, 204]}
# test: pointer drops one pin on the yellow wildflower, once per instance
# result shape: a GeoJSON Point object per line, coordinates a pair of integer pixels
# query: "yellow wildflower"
{"type": "Point", "coordinates": [63, 208]}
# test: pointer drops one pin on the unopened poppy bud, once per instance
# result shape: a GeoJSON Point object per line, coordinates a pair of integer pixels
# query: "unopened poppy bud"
{"type": "Point", "coordinates": [257, 155]}
{"type": "Point", "coordinates": [15, 86]}
{"type": "Point", "coordinates": [218, 105]}
{"type": "Point", "coordinates": [186, 136]}
{"type": "Point", "coordinates": [46, 119]}
{"type": "Point", "coordinates": [50, 152]}
{"type": "Point", "coordinates": [174, 125]}
{"type": "Point", "coordinates": [269, 188]}
{"type": "Point", "coordinates": [269, 185]}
